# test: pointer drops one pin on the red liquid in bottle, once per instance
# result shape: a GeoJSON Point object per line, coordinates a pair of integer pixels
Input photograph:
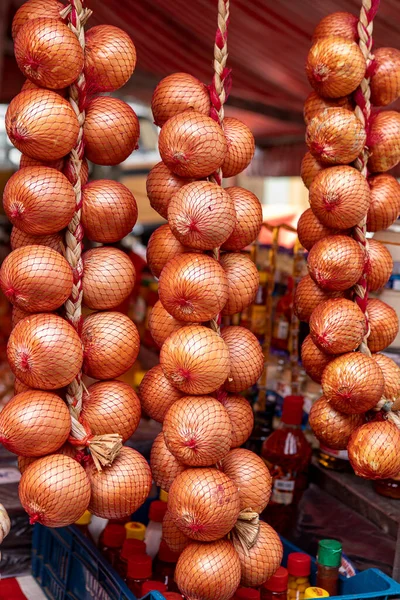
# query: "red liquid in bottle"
{"type": "Point", "coordinates": [111, 541]}
{"type": "Point", "coordinates": [164, 566]}
{"type": "Point", "coordinates": [139, 571]}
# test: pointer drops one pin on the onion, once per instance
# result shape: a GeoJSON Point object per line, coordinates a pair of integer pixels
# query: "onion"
{"type": "Point", "coordinates": [34, 9]}
{"type": "Point", "coordinates": [353, 383]}
{"type": "Point", "coordinates": [108, 278]}
{"type": "Point", "coordinates": [385, 202]}
{"type": "Point", "coordinates": [341, 24]}
{"type": "Point", "coordinates": [208, 571]}
{"type": "Point", "coordinates": [111, 407]}
{"type": "Point", "coordinates": [192, 144]}
{"type": "Point", "coordinates": [332, 194]}
{"type": "Point", "coordinates": [41, 124]}
{"type": "Point", "coordinates": [383, 323]}
{"type": "Point", "coordinates": [336, 262]}
{"type": "Point", "coordinates": [337, 325]}
{"type": "Point", "coordinates": [25, 461]}
{"type": "Point", "coordinates": [27, 161]}
{"type": "Point", "coordinates": [315, 103]}
{"type": "Point", "coordinates": [384, 141]}
{"type": "Point", "coordinates": [335, 136]}
{"type": "Point", "coordinates": [307, 297]}
{"type": "Point", "coordinates": [34, 423]}
{"type": "Point", "coordinates": [109, 211]}
{"type": "Point", "coordinates": [157, 394]}
{"type": "Point", "coordinates": [251, 476]}
{"type": "Point", "coordinates": [241, 415]}
{"type": "Point", "coordinates": [197, 430]}
{"type": "Point", "coordinates": [39, 200]}
{"type": "Point", "coordinates": [243, 282]}
{"type": "Point", "coordinates": [19, 239]}
{"type": "Point", "coordinates": [164, 466]}
{"type": "Point", "coordinates": [204, 503]}
{"type": "Point", "coordinates": [177, 93]}
{"type": "Point", "coordinates": [118, 490]}
{"type": "Point", "coordinates": [391, 374]}
{"type": "Point", "coordinates": [193, 287]}
{"type": "Point", "coordinates": [111, 131]}
{"type": "Point", "coordinates": [161, 185]}
{"type": "Point", "coordinates": [161, 324]}
{"type": "Point", "coordinates": [16, 317]}
{"type": "Point", "coordinates": [202, 215]}
{"type": "Point", "coordinates": [36, 278]}
{"type": "Point", "coordinates": [249, 219]}
{"type": "Point", "coordinates": [374, 450]}
{"type": "Point", "coordinates": [29, 85]}
{"type": "Point", "coordinates": [241, 147]}
{"type": "Point", "coordinates": [44, 351]}
{"type": "Point", "coordinates": [314, 360]}
{"type": "Point", "coordinates": [161, 247]}
{"type": "Point", "coordinates": [111, 344]}
{"type": "Point", "coordinates": [48, 53]}
{"type": "Point", "coordinates": [331, 427]}
{"type": "Point", "coordinates": [262, 560]}
{"type": "Point", "coordinates": [246, 358]}
{"type": "Point", "coordinates": [379, 265]}
{"type": "Point", "coordinates": [20, 387]}
{"type": "Point", "coordinates": [110, 57]}
{"type": "Point", "coordinates": [385, 80]}
{"type": "Point", "coordinates": [310, 166]}
{"type": "Point", "coordinates": [54, 491]}
{"type": "Point", "coordinates": [310, 230]}
{"type": "Point", "coordinates": [172, 535]}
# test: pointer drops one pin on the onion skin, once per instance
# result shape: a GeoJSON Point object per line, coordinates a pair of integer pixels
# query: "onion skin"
{"type": "Point", "coordinates": [310, 230]}
{"type": "Point", "coordinates": [249, 219]}
{"type": "Point", "coordinates": [157, 394]}
{"type": "Point", "coordinates": [17, 316]}
{"type": "Point", "coordinates": [243, 281]}
{"type": "Point", "coordinates": [379, 265]}
{"type": "Point", "coordinates": [391, 374]}
{"type": "Point", "coordinates": [241, 147]}
{"type": "Point", "coordinates": [20, 239]}
{"type": "Point", "coordinates": [385, 81]}
{"type": "Point", "coordinates": [246, 358]}
{"type": "Point", "coordinates": [25, 461]}
{"type": "Point", "coordinates": [161, 185]}
{"type": "Point", "coordinates": [27, 161]}
{"type": "Point", "coordinates": [383, 323]}
{"type": "Point", "coordinates": [337, 325]}
{"type": "Point", "coordinates": [374, 450]}
{"type": "Point", "coordinates": [177, 93]}
{"type": "Point", "coordinates": [34, 9]}
{"type": "Point", "coordinates": [262, 560]}
{"type": "Point", "coordinates": [172, 535]}
{"type": "Point", "coordinates": [164, 466]}
{"type": "Point", "coordinates": [241, 416]}
{"type": "Point", "coordinates": [384, 141]}
{"type": "Point", "coordinates": [331, 427]}
{"type": "Point", "coordinates": [161, 324]}
{"type": "Point", "coordinates": [162, 246]}
{"type": "Point", "coordinates": [29, 85]}
{"type": "Point", "coordinates": [385, 202]}
{"type": "Point", "coordinates": [310, 166]}
{"type": "Point", "coordinates": [307, 297]}
{"type": "Point", "coordinates": [314, 359]}
{"type": "Point", "coordinates": [315, 103]}
{"type": "Point", "coordinates": [341, 24]}
{"type": "Point", "coordinates": [336, 263]}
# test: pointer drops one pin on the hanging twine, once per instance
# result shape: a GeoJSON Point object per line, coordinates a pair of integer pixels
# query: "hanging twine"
{"type": "Point", "coordinates": [245, 532]}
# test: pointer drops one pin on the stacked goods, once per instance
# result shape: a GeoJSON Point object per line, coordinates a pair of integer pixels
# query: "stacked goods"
{"type": "Point", "coordinates": [46, 279]}
{"type": "Point", "coordinates": [351, 193]}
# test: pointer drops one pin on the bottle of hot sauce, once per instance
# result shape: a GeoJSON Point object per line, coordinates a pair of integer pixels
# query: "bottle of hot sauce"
{"type": "Point", "coordinates": [283, 317]}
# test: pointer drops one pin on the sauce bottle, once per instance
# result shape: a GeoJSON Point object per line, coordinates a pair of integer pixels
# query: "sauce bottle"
{"type": "Point", "coordinates": [157, 510]}
{"type": "Point", "coordinates": [111, 541]}
{"type": "Point", "coordinates": [328, 562]}
{"type": "Point", "coordinates": [283, 317]}
{"type": "Point", "coordinates": [135, 530]}
{"type": "Point", "coordinates": [245, 593]}
{"type": "Point", "coordinates": [259, 309]}
{"type": "Point", "coordinates": [130, 548]}
{"type": "Point", "coordinates": [138, 572]}
{"type": "Point", "coordinates": [315, 592]}
{"type": "Point", "coordinates": [153, 586]}
{"type": "Point", "coordinates": [276, 587]}
{"type": "Point", "coordinates": [299, 569]}
{"type": "Point", "coordinates": [83, 524]}
{"type": "Point", "coordinates": [164, 566]}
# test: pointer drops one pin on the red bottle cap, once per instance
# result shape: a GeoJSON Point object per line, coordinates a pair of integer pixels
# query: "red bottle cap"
{"type": "Point", "coordinates": [292, 412]}
{"type": "Point", "coordinates": [166, 554]}
{"type": "Point", "coordinates": [113, 536]}
{"type": "Point", "coordinates": [153, 586]}
{"type": "Point", "coordinates": [157, 510]}
{"type": "Point", "coordinates": [278, 582]}
{"type": "Point", "coordinates": [299, 564]}
{"type": "Point", "coordinates": [131, 547]}
{"type": "Point", "coordinates": [172, 596]}
{"type": "Point", "coordinates": [244, 593]}
{"type": "Point", "coordinates": [139, 566]}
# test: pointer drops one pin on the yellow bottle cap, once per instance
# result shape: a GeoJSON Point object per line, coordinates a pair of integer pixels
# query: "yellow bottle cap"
{"type": "Point", "coordinates": [163, 495]}
{"type": "Point", "coordinates": [137, 378]}
{"type": "Point", "coordinates": [315, 592]}
{"type": "Point", "coordinates": [263, 277]}
{"type": "Point", "coordinates": [85, 518]}
{"type": "Point", "coordinates": [135, 531]}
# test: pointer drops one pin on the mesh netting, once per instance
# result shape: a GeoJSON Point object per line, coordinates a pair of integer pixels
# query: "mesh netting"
{"type": "Point", "coordinates": [241, 415]}
{"type": "Point", "coordinates": [33, 9]}
{"type": "Point", "coordinates": [332, 428]}
{"type": "Point", "coordinates": [243, 282]}
{"type": "Point", "coordinates": [157, 394]}
{"type": "Point", "coordinates": [20, 239]}
{"type": "Point", "coordinates": [315, 103]}
{"type": "Point", "coordinates": [27, 161]}
{"type": "Point", "coordinates": [384, 141]}
{"type": "Point", "coordinates": [29, 85]}
{"type": "Point", "coordinates": [41, 124]}
{"type": "Point", "coordinates": [108, 277]}
{"type": "Point", "coordinates": [246, 358]}
{"type": "Point", "coordinates": [109, 211]}
{"type": "Point", "coordinates": [337, 325]}
{"type": "Point", "coordinates": [161, 247]}
{"type": "Point", "coordinates": [39, 200]}
{"type": "Point", "coordinates": [391, 374]}
{"type": "Point", "coordinates": [25, 461]}
{"type": "Point", "coordinates": [161, 185]}
{"type": "Point", "coordinates": [161, 324]}
{"type": "Point", "coordinates": [111, 344]}
{"type": "Point", "coordinates": [36, 278]}
{"type": "Point", "coordinates": [248, 219]}
{"type": "Point", "coordinates": [204, 503]}
{"type": "Point", "coordinates": [385, 80]}
{"type": "Point", "coordinates": [307, 297]}
{"type": "Point", "coordinates": [261, 561]}
{"type": "Point", "coordinates": [310, 166]}
{"type": "Point", "coordinates": [197, 430]}
{"type": "Point", "coordinates": [241, 147]}
{"type": "Point", "coordinates": [314, 360]}
{"type": "Point", "coordinates": [172, 535]}
{"type": "Point", "coordinates": [164, 466]}
{"type": "Point", "coordinates": [379, 265]}
{"type": "Point", "coordinates": [310, 230]}
{"type": "Point", "coordinates": [373, 450]}
{"type": "Point", "coordinates": [336, 262]}
{"type": "Point", "coordinates": [44, 352]}
{"type": "Point", "coordinates": [383, 323]}
{"type": "Point", "coordinates": [342, 24]}
{"type": "Point", "coordinates": [17, 315]}
{"type": "Point", "coordinates": [385, 202]}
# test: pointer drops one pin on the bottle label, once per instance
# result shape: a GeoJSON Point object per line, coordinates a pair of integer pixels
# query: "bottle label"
{"type": "Point", "coordinates": [281, 330]}
{"type": "Point", "coordinates": [343, 454]}
{"type": "Point", "coordinates": [283, 490]}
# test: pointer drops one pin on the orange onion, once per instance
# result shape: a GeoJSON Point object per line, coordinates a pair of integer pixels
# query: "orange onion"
{"type": "Point", "coordinates": [201, 215]}
{"type": "Point", "coordinates": [20, 387]}
{"type": "Point", "coordinates": [241, 415]}
{"type": "Point", "coordinates": [332, 194]}
{"type": "Point", "coordinates": [161, 324]}
{"type": "Point", "coordinates": [243, 282]}
{"type": "Point", "coordinates": [164, 466]}
{"type": "Point", "coordinates": [353, 383]}
{"type": "Point", "coordinates": [204, 504]}
{"type": "Point", "coordinates": [44, 351]}
{"type": "Point", "coordinates": [41, 124]}
{"type": "Point", "coordinates": [161, 185]}
{"type": "Point", "coordinates": [118, 490]}
{"type": "Point", "coordinates": [111, 407]}
{"type": "Point", "coordinates": [307, 297]}
{"type": "Point", "coordinates": [161, 247]}
{"type": "Point", "coordinates": [157, 394]}
{"type": "Point", "coordinates": [310, 230]}
{"type": "Point", "coordinates": [172, 535]}
{"type": "Point", "coordinates": [210, 571]}
{"type": "Point", "coordinates": [20, 239]}
{"type": "Point", "coordinates": [310, 166]}
{"type": "Point", "coordinates": [192, 144]}
{"type": "Point", "coordinates": [16, 317]}
{"type": "Point", "coordinates": [335, 136]}
{"type": "Point", "coordinates": [27, 161]}
{"type": "Point", "coordinates": [383, 324]}
{"type": "Point", "coordinates": [385, 202]}
{"type": "Point", "coordinates": [336, 262]}
{"type": "Point", "coordinates": [34, 9]}
{"type": "Point", "coordinates": [54, 491]}
{"type": "Point", "coordinates": [25, 461]}
{"type": "Point", "coordinates": [385, 80]}
{"type": "Point", "coordinates": [29, 85]}
{"type": "Point", "coordinates": [374, 450]}
{"type": "Point", "coordinates": [341, 24]}
{"type": "Point", "coordinates": [337, 325]}
{"type": "Point", "coordinates": [108, 277]}
{"type": "Point", "coordinates": [109, 211]}
{"type": "Point", "coordinates": [379, 265]}
{"type": "Point", "coordinates": [193, 287]}
{"type": "Point", "coordinates": [261, 561]}
{"type": "Point", "coordinates": [384, 141]}
{"type": "Point", "coordinates": [34, 423]}
{"type": "Point", "coordinates": [251, 476]}
{"type": "Point", "coordinates": [110, 58]}
{"type": "Point", "coordinates": [241, 147]}
{"type": "Point", "coordinates": [36, 278]}
{"type": "Point", "coordinates": [246, 358]}
{"type": "Point", "coordinates": [315, 103]}
{"type": "Point", "coordinates": [249, 219]}
{"type": "Point", "coordinates": [48, 53]}
{"type": "Point", "coordinates": [331, 427]}
{"type": "Point", "coordinates": [314, 360]}
{"type": "Point", "coordinates": [197, 430]}
{"type": "Point", "coordinates": [111, 344]}
{"type": "Point", "coordinates": [111, 131]}
{"type": "Point", "coordinates": [391, 374]}
{"type": "Point", "coordinates": [39, 200]}
{"type": "Point", "coordinates": [177, 93]}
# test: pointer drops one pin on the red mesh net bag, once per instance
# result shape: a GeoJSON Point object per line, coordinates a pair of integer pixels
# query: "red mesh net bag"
{"type": "Point", "coordinates": [34, 9]}
{"type": "Point", "coordinates": [241, 147]}
{"type": "Point", "coordinates": [310, 230]}
{"type": "Point", "coordinates": [310, 166]}
{"type": "Point", "coordinates": [336, 263]}
{"type": "Point", "coordinates": [246, 358]}
{"type": "Point", "coordinates": [19, 239]}
{"type": "Point", "coordinates": [383, 324]}
{"type": "Point", "coordinates": [27, 161]}
{"type": "Point", "coordinates": [332, 428]}
{"type": "Point", "coordinates": [315, 103]}
{"type": "Point", "coordinates": [314, 359]}
{"type": "Point", "coordinates": [342, 24]}
{"type": "Point", "coordinates": [161, 324]}
{"type": "Point", "coordinates": [261, 561]}
{"type": "Point", "coordinates": [385, 80]}
{"type": "Point", "coordinates": [172, 535]}
{"type": "Point", "coordinates": [243, 282]}
{"type": "Point", "coordinates": [391, 374]}
{"type": "Point", "coordinates": [337, 325]}
{"type": "Point", "coordinates": [157, 394]}
{"type": "Point", "coordinates": [176, 93]}
{"type": "Point", "coordinates": [374, 450]}
{"type": "Point", "coordinates": [162, 246]}
{"type": "Point", "coordinates": [241, 415]}
{"type": "Point", "coordinates": [66, 449]}
{"type": "Point", "coordinates": [384, 141]}
{"type": "Point", "coordinates": [379, 265]}
{"type": "Point", "coordinates": [307, 297]}
{"type": "Point", "coordinates": [111, 344]}
{"type": "Point", "coordinates": [16, 316]}
{"type": "Point", "coordinates": [385, 202]}
{"type": "Point", "coordinates": [164, 466]}
{"type": "Point", "coordinates": [161, 185]}
{"type": "Point", "coordinates": [248, 219]}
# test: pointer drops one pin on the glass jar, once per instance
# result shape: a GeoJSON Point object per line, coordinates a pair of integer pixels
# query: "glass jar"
{"type": "Point", "coordinates": [329, 558]}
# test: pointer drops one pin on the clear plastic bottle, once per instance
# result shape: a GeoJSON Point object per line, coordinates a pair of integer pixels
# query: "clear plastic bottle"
{"type": "Point", "coordinates": [138, 572]}
{"type": "Point", "coordinates": [164, 566]}
{"type": "Point", "coordinates": [153, 586]}
{"type": "Point", "coordinates": [299, 569]}
{"type": "Point", "coordinates": [135, 530]}
{"type": "Point", "coordinates": [130, 548]}
{"type": "Point", "coordinates": [329, 558]}
{"type": "Point", "coordinates": [111, 541]}
{"type": "Point", "coordinates": [276, 587]}
{"type": "Point", "coordinates": [157, 510]}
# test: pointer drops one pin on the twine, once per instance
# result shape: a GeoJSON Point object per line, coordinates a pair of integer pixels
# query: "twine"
{"type": "Point", "coordinates": [245, 532]}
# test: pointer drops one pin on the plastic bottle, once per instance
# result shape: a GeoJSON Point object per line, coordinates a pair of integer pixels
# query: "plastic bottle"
{"type": "Point", "coordinates": [83, 524]}
{"type": "Point", "coordinates": [153, 586]}
{"type": "Point", "coordinates": [111, 542]}
{"type": "Point", "coordinates": [138, 572]}
{"type": "Point", "coordinates": [276, 587]}
{"type": "Point", "coordinates": [283, 317]}
{"type": "Point", "coordinates": [315, 592]}
{"type": "Point", "coordinates": [299, 569]}
{"type": "Point", "coordinates": [157, 510]}
{"type": "Point", "coordinates": [164, 566]}
{"type": "Point", "coordinates": [259, 309]}
{"type": "Point", "coordinates": [328, 562]}
{"type": "Point", "coordinates": [245, 593]}
{"type": "Point", "coordinates": [135, 530]}
{"type": "Point", "coordinates": [130, 548]}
